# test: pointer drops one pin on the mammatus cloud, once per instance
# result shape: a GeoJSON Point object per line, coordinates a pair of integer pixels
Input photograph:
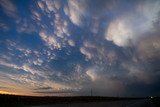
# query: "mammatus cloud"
{"type": "Point", "coordinates": [50, 40]}
{"type": "Point", "coordinates": [71, 42]}
{"type": "Point", "coordinates": [76, 15]}
{"type": "Point", "coordinates": [85, 12]}
{"type": "Point", "coordinates": [92, 73]}
{"type": "Point", "coordinates": [86, 52]}
{"type": "Point", "coordinates": [56, 33]}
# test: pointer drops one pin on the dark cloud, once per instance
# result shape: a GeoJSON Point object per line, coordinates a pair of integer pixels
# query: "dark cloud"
{"type": "Point", "coordinates": [43, 88]}
{"type": "Point", "coordinates": [4, 87]}
{"type": "Point", "coordinates": [53, 92]}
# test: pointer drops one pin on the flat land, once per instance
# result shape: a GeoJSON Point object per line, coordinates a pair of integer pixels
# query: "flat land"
{"type": "Point", "coordinates": [78, 101]}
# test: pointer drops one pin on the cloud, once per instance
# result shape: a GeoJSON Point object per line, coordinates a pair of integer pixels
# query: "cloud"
{"type": "Point", "coordinates": [92, 73]}
{"type": "Point", "coordinates": [148, 48]}
{"type": "Point", "coordinates": [100, 82]}
{"type": "Point", "coordinates": [119, 33]}
{"type": "Point", "coordinates": [4, 26]}
{"type": "Point", "coordinates": [25, 26]}
{"type": "Point", "coordinates": [38, 62]}
{"type": "Point", "coordinates": [98, 53]}
{"type": "Point", "coordinates": [9, 8]}
{"type": "Point", "coordinates": [71, 42]}
{"type": "Point", "coordinates": [66, 60]}
{"type": "Point", "coordinates": [54, 92]}
{"type": "Point", "coordinates": [43, 88]}
{"type": "Point", "coordinates": [85, 51]}
{"type": "Point", "coordinates": [3, 87]}
{"type": "Point", "coordinates": [84, 12]}
{"type": "Point", "coordinates": [127, 28]}
{"type": "Point", "coordinates": [95, 26]}
{"type": "Point", "coordinates": [76, 11]}
{"type": "Point", "coordinates": [41, 5]}
{"type": "Point", "coordinates": [88, 49]}
{"type": "Point", "coordinates": [33, 84]}
{"type": "Point", "coordinates": [138, 72]}
{"type": "Point", "coordinates": [36, 15]}
{"type": "Point", "coordinates": [124, 31]}
{"type": "Point", "coordinates": [61, 27]}
{"type": "Point", "coordinates": [12, 85]}
{"type": "Point", "coordinates": [143, 65]}
{"type": "Point", "coordinates": [29, 56]}
{"type": "Point", "coordinates": [2, 62]}
{"type": "Point", "coordinates": [53, 5]}
{"type": "Point", "coordinates": [24, 67]}
{"type": "Point", "coordinates": [50, 40]}
{"type": "Point", "coordinates": [56, 32]}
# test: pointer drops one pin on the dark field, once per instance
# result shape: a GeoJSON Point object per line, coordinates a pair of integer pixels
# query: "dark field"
{"type": "Point", "coordinates": [79, 101]}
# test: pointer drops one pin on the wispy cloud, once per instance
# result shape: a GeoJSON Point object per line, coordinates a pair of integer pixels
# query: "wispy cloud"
{"type": "Point", "coordinates": [4, 26]}
{"type": "Point", "coordinates": [54, 92]}
{"type": "Point", "coordinates": [43, 88]}
{"type": "Point", "coordinates": [9, 8]}
{"type": "Point", "coordinates": [25, 26]}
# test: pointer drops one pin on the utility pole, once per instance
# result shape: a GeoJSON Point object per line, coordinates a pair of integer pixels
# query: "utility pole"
{"type": "Point", "coordinates": [91, 92]}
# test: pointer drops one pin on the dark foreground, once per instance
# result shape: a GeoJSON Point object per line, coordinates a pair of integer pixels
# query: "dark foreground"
{"type": "Point", "coordinates": [80, 101]}
{"type": "Point", "coordinates": [122, 103]}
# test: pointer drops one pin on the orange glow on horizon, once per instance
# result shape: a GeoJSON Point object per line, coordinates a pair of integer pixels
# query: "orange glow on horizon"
{"type": "Point", "coordinates": [6, 92]}
{"type": "Point", "coordinates": [21, 94]}
{"type": "Point", "coordinates": [14, 93]}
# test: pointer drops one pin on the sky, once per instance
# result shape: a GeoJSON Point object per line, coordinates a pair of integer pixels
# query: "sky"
{"type": "Point", "coordinates": [68, 47]}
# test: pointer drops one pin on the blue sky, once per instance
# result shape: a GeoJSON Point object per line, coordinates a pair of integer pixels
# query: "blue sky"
{"type": "Point", "coordinates": [68, 47]}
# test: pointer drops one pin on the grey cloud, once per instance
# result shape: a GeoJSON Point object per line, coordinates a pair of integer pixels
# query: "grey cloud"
{"type": "Point", "coordinates": [149, 48]}
{"type": "Point", "coordinates": [102, 84]}
{"type": "Point", "coordinates": [81, 12]}
{"type": "Point", "coordinates": [136, 72]}
{"type": "Point", "coordinates": [142, 66]}
{"type": "Point", "coordinates": [98, 53]}
{"type": "Point", "coordinates": [53, 92]}
{"type": "Point", "coordinates": [43, 88]}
